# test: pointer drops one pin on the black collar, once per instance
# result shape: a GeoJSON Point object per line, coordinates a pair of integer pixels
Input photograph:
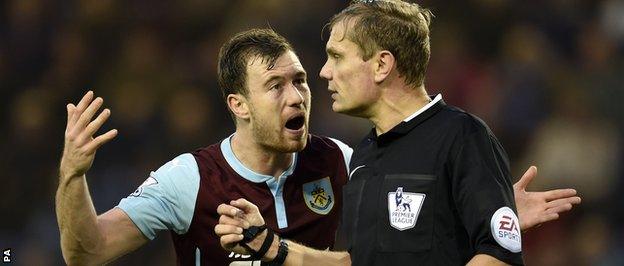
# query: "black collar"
{"type": "Point", "coordinates": [405, 127]}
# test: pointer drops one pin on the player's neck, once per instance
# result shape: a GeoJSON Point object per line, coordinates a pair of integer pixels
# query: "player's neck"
{"type": "Point", "coordinates": [395, 105]}
{"type": "Point", "coordinates": [257, 158]}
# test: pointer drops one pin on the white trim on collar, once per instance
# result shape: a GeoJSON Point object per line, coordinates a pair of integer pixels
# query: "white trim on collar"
{"type": "Point", "coordinates": [424, 108]}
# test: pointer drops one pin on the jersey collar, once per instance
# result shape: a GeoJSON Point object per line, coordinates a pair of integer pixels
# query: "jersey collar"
{"type": "Point", "coordinates": [242, 170]}
{"type": "Point", "coordinates": [411, 121]}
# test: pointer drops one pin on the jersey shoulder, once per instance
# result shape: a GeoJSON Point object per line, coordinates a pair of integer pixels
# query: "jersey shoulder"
{"type": "Point", "coordinates": [464, 122]}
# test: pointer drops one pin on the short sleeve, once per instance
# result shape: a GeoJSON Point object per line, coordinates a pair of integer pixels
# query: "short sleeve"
{"type": "Point", "coordinates": [483, 194]}
{"type": "Point", "coordinates": [166, 200]}
{"type": "Point", "coordinates": [346, 151]}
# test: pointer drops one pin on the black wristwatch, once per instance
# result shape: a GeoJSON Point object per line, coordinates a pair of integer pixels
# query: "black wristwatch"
{"type": "Point", "coordinates": [282, 252]}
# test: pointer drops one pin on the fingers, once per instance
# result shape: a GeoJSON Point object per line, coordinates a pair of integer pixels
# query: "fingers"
{"type": "Point", "coordinates": [226, 229]}
{"type": "Point", "coordinates": [224, 219]}
{"type": "Point", "coordinates": [225, 209]}
{"type": "Point", "coordinates": [244, 205]}
{"type": "Point", "coordinates": [237, 208]}
{"type": "Point", "coordinates": [562, 204]}
{"type": "Point", "coordinates": [95, 125]}
{"type": "Point", "coordinates": [535, 220]}
{"type": "Point", "coordinates": [570, 200]}
{"type": "Point", "coordinates": [526, 178]}
{"type": "Point", "coordinates": [243, 210]}
{"type": "Point", "coordinates": [82, 105]}
{"type": "Point", "coordinates": [230, 228]}
{"type": "Point", "coordinates": [575, 200]}
{"type": "Point", "coordinates": [70, 112]}
{"type": "Point", "coordinates": [560, 208]}
{"type": "Point", "coordinates": [101, 140]}
{"type": "Point", "coordinates": [559, 194]}
{"type": "Point", "coordinates": [547, 217]}
{"type": "Point", "coordinates": [87, 115]}
{"type": "Point", "coordinates": [228, 241]}
{"type": "Point", "coordinates": [553, 210]}
{"type": "Point", "coordinates": [80, 128]}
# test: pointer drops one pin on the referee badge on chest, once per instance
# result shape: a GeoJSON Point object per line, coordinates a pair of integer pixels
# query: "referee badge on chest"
{"type": "Point", "coordinates": [319, 196]}
{"type": "Point", "coordinates": [403, 208]}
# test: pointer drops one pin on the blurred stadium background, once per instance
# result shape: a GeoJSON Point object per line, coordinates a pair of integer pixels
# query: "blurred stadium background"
{"type": "Point", "coordinates": [547, 76]}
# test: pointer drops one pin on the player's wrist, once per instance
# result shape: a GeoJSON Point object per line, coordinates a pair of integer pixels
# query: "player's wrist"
{"type": "Point", "coordinates": [66, 171]}
{"type": "Point", "coordinates": [273, 249]}
{"type": "Point", "coordinates": [66, 176]}
{"type": "Point", "coordinates": [256, 242]}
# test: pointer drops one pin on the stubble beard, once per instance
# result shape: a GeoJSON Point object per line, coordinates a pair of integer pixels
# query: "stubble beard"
{"type": "Point", "coordinates": [265, 134]}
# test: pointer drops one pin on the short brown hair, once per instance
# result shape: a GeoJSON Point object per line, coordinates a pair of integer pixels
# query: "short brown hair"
{"type": "Point", "coordinates": [394, 25]}
{"type": "Point", "coordinates": [236, 52]}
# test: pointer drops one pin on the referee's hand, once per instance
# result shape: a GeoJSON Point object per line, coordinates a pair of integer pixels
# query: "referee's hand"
{"type": "Point", "coordinates": [80, 145]}
{"type": "Point", "coordinates": [535, 208]}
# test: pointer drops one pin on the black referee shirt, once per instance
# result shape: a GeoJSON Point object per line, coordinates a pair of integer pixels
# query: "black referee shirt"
{"type": "Point", "coordinates": [434, 190]}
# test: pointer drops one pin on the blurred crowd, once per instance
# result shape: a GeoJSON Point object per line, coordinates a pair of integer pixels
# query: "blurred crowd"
{"type": "Point", "coordinates": [547, 76]}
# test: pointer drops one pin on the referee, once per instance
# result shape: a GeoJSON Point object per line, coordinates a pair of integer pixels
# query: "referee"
{"type": "Point", "coordinates": [430, 184]}
{"type": "Point", "coordinates": [433, 190]}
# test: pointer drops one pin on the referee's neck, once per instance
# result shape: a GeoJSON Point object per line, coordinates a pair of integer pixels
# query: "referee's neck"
{"type": "Point", "coordinates": [396, 104]}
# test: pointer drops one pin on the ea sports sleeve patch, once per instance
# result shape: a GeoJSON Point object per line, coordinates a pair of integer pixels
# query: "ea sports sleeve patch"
{"type": "Point", "coordinates": [505, 229]}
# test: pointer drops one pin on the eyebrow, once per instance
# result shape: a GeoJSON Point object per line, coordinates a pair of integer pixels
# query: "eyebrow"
{"type": "Point", "coordinates": [299, 73]}
{"type": "Point", "coordinates": [272, 78]}
{"type": "Point", "coordinates": [331, 50]}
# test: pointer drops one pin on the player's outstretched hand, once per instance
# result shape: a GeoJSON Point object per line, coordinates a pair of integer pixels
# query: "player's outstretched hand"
{"type": "Point", "coordinates": [535, 208]}
{"type": "Point", "coordinates": [80, 145]}
{"type": "Point", "coordinates": [236, 216]}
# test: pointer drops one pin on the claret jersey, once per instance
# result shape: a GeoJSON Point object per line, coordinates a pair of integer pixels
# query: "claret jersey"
{"type": "Point", "coordinates": [182, 196]}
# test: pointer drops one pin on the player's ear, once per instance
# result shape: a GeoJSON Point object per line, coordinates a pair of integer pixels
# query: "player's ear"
{"type": "Point", "coordinates": [238, 105]}
{"type": "Point", "coordinates": [384, 63]}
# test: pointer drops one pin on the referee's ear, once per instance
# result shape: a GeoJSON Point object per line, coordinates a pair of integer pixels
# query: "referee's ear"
{"type": "Point", "coordinates": [238, 105]}
{"type": "Point", "coordinates": [384, 63]}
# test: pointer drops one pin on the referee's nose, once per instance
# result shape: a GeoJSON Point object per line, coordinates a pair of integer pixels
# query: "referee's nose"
{"type": "Point", "coordinates": [326, 71]}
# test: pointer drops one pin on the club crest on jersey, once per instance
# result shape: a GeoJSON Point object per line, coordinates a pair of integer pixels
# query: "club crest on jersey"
{"type": "Point", "coordinates": [319, 196]}
{"type": "Point", "coordinates": [506, 229]}
{"type": "Point", "coordinates": [148, 182]}
{"type": "Point", "coordinates": [403, 208]}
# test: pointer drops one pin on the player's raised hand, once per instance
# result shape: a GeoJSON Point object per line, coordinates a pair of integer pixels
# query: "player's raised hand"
{"type": "Point", "coordinates": [535, 208]}
{"type": "Point", "coordinates": [80, 145]}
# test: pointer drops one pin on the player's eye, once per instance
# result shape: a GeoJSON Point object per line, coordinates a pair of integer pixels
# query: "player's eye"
{"type": "Point", "coordinates": [275, 87]}
{"type": "Point", "coordinates": [300, 81]}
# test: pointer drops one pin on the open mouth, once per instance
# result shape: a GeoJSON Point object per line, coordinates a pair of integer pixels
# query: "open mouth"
{"type": "Point", "coordinates": [295, 123]}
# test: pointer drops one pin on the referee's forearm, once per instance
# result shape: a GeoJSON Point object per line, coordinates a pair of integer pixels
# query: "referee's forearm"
{"type": "Point", "coordinates": [484, 259]}
{"type": "Point", "coordinates": [301, 255]}
{"type": "Point", "coordinates": [77, 220]}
